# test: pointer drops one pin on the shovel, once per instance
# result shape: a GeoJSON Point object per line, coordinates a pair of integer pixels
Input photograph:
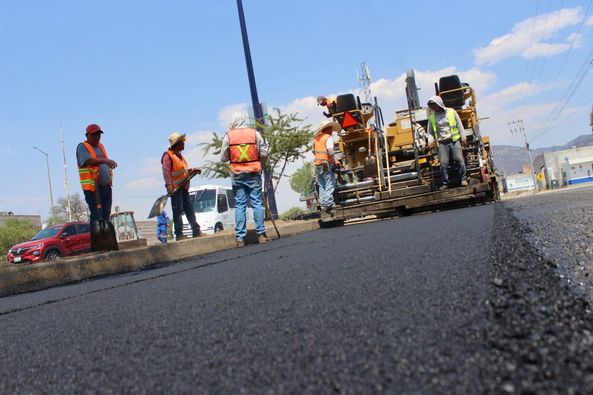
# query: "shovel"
{"type": "Point", "coordinates": [160, 203]}
{"type": "Point", "coordinates": [103, 236]}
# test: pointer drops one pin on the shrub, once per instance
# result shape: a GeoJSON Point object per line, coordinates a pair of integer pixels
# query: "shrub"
{"type": "Point", "coordinates": [15, 231]}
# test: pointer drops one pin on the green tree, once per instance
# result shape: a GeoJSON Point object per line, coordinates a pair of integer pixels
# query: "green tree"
{"type": "Point", "coordinates": [60, 212]}
{"type": "Point", "coordinates": [15, 231]}
{"type": "Point", "coordinates": [288, 140]}
{"type": "Point", "coordinates": [301, 181]}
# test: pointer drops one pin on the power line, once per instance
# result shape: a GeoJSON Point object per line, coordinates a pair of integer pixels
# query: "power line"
{"type": "Point", "coordinates": [565, 58]}
{"type": "Point", "coordinates": [573, 87]}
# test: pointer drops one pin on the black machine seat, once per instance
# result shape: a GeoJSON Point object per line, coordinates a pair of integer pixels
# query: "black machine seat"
{"type": "Point", "coordinates": [455, 99]}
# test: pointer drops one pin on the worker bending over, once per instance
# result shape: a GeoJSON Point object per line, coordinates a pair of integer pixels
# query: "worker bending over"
{"type": "Point", "coordinates": [445, 127]}
{"type": "Point", "coordinates": [244, 148]}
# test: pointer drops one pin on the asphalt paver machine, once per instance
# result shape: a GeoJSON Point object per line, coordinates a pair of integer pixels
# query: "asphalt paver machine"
{"type": "Point", "coordinates": [391, 170]}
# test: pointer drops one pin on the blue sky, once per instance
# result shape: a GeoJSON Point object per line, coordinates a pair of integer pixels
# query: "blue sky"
{"type": "Point", "coordinates": [143, 69]}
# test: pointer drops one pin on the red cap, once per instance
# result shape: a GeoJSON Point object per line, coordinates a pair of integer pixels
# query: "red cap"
{"type": "Point", "coordinates": [93, 128]}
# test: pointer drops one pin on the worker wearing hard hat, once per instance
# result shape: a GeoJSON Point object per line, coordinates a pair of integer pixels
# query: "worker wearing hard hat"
{"type": "Point", "coordinates": [445, 127]}
{"type": "Point", "coordinates": [323, 149]}
{"type": "Point", "coordinates": [96, 173]}
{"type": "Point", "coordinates": [176, 175]}
{"type": "Point", "coordinates": [244, 148]}
{"type": "Point", "coordinates": [330, 103]}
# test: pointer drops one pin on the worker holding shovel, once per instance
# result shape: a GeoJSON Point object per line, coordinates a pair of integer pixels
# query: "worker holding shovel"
{"type": "Point", "coordinates": [177, 175]}
{"type": "Point", "coordinates": [96, 176]}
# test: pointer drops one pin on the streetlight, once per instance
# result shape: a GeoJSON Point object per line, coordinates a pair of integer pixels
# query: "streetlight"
{"type": "Point", "coordinates": [51, 196]}
{"type": "Point", "coordinates": [257, 112]}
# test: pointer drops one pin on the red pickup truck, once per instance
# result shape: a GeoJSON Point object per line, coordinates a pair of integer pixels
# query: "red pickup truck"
{"type": "Point", "coordinates": [53, 242]}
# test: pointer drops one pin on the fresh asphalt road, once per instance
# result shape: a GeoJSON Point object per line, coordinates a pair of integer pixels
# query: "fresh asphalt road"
{"type": "Point", "coordinates": [400, 306]}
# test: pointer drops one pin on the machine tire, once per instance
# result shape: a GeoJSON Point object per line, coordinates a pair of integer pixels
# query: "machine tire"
{"type": "Point", "coordinates": [218, 228]}
{"type": "Point", "coordinates": [52, 254]}
{"type": "Point", "coordinates": [331, 224]}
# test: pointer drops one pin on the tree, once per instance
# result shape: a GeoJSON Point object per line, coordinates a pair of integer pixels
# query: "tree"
{"type": "Point", "coordinates": [301, 181]}
{"type": "Point", "coordinates": [15, 231]}
{"type": "Point", "coordinates": [287, 138]}
{"type": "Point", "coordinates": [60, 212]}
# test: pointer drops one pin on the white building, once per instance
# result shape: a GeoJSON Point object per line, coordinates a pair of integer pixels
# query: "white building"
{"type": "Point", "coordinates": [566, 167]}
{"type": "Point", "coordinates": [519, 182]}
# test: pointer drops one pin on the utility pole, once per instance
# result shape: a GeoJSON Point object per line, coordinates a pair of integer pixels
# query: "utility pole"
{"type": "Point", "coordinates": [51, 196]}
{"type": "Point", "coordinates": [517, 127]}
{"type": "Point", "coordinates": [66, 176]}
{"type": "Point", "coordinates": [257, 111]}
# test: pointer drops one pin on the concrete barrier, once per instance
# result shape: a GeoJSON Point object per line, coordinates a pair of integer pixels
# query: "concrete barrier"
{"type": "Point", "coordinates": [25, 278]}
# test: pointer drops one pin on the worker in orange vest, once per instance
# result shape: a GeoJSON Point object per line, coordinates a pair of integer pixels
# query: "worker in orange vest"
{"type": "Point", "coordinates": [244, 148]}
{"type": "Point", "coordinates": [96, 172]}
{"type": "Point", "coordinates": [176, 174]}
{"type": "Point", "coordinates": [329, 103]}
{"type": "Point", "coordinates": [323, 149]}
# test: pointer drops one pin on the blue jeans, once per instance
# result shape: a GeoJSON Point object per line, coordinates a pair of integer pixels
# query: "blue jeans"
{"type": "Point", "coordinates": [244, 185]}
{"type": "Point", "coordinates": [445, 149]}
{"type": "Point", "coordinates": [327, 183]}
{"type": "Point", "coordinates": [181, 204]}
{"type": "Point", "coordinates": [91, 200]}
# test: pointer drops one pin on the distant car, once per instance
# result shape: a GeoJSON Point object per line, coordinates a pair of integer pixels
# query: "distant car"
{"type": "Point", "coordinates": [53, 242]}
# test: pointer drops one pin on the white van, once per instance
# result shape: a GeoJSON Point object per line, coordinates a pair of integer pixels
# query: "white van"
{"type": "Point", "coordinates": [214, 206]}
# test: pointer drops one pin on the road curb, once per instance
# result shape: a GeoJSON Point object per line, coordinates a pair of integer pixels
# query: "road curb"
{"type": "Point", "coordinates": [34, 277]}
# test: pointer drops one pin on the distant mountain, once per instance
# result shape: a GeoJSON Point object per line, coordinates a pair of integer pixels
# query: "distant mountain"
{"type": "Point", "coordinates": [511, 158]}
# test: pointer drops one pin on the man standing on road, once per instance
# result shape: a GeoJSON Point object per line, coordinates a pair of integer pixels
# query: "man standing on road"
{"type": "Point", "coordinates": [96, 171]}
{"type": "Point", "coordinates": [323, 149]}
{"type": "Point", "coordinates": [445, 126]}
{"type": "Point", "coordinates": [244, 148]}
{"type": "Point", "coordinates": [176, 174]}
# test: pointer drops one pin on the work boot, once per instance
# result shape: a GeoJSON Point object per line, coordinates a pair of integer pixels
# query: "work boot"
{"type": "Point", "coordinates": [196, 232]}
{"type": "Point", "coordinates": [240, 243]}
{"type": "Point", "coordinates": [443, 187]}
{"type": "Point", "coordinates": [263, 238]}
{"type": "Point", "coordinates": [464, 183]}
{"type": "Point", "coordinates": [179, 238]}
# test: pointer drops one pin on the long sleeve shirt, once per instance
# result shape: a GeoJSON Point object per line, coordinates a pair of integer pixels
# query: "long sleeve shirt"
{"type": "Point", "coordinates": [443, 131]}
{"type": "Point", "coordinates": [261, 147]}
{"type": "Point", "coordinates": [167, 165]}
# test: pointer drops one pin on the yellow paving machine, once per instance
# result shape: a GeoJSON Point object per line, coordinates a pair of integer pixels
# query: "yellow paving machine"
{"type": "Point", "coordinates": [391, 170]}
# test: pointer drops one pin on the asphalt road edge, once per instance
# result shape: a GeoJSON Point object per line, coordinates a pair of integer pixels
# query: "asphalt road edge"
{"type": "Point", "coordinates": [34, 277]}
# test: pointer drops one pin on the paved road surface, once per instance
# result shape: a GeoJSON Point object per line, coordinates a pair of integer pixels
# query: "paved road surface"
{"type": "Point", "coordinates": [413, 305]}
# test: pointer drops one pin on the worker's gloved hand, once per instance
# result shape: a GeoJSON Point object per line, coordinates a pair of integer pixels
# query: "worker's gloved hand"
{"type": "Point", "coordinates": [111, 163]}
{"type": "Point", "coordinates": [170, 188]}
{"type": "Point", "coordinates": [195, 170]}
{"type": "Point", "coordinates": [464, 143]}
{"type": "Point", "coordinates": [327, 114]}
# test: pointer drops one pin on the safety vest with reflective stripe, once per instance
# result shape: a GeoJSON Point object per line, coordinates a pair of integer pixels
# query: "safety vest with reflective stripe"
{"type": "Point", "coordinates": [243, 151]}
{"type": "Point", "coordinates": [179, 171]}
{"type": "Point", "coordinates": [320, 149]}
{"type": "Point", "coordinates": [452, 125]}
{"type": "Point", "coordinates": [89, 174]}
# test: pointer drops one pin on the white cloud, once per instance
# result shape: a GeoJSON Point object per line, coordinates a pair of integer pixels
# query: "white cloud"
{"type": "Point", "coordinates": [530, 32]}
{"type": "Point", "coordinates": [589, 21]}
{"type": "Point", "coordinates": [225, 115]}
{"type": "Point", "coordinates": [512, 93]}
{"type": "Point", "coordinates": [145, 183]}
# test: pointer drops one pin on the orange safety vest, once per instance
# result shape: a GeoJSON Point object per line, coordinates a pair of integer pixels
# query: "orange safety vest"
{"type": "Point", "coordinates": [179, 171]}
{"type": "Point", "coordinates": [89, 174]}
{"type": "Point", "coordinates": [243, 151]}
{"type": "Point", "coordinates": [320, 149]}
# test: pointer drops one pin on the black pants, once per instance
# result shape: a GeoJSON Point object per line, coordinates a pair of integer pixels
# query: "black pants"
{"type": "Point", "coordinates": [181, 203]}
{"type": "Point", "coordinates": [91, 200]}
